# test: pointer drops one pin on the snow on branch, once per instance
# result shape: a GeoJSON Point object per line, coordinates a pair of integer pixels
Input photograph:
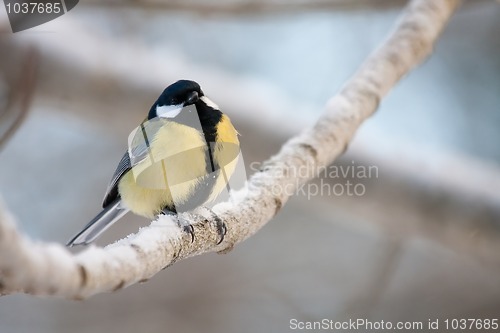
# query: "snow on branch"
{"type": "Point", "coordinates": [50, 269]}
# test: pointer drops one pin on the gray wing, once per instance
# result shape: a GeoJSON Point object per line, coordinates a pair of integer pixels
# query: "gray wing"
{"type": "Point", "coordinates": [112, 190]}
{"type": "Point", "coordinates": [140, 151]}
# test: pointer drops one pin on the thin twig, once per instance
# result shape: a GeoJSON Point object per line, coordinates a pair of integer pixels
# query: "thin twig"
{"type": "Point", "coordinates": [249, 7]}
{"type": "Point", "coordinates": [19, 97]}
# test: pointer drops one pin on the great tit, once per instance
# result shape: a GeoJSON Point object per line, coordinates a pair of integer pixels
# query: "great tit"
{"type": "Point", "coordinates": [179, 158]}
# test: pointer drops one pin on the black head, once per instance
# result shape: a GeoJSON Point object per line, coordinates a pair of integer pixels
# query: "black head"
{"type": "Point", "coordinates": [179, 94]}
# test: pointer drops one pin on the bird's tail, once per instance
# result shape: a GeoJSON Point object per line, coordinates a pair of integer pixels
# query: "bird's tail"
{"type": "Point", "coordinates": [99, 224]}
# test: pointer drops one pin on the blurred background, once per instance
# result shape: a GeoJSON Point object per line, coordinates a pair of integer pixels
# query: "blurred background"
{"type": "Point", "coordinates": [420, 242]}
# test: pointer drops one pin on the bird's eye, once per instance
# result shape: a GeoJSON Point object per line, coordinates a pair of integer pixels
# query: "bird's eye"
{"type": "Point", "coordinates": [192, 98]}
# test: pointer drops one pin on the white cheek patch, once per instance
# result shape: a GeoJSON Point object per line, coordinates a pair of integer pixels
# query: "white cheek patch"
{"type": "Point", "coordinates": [209, 102]}
{"type": "Point", "coordinates": [168, 111]}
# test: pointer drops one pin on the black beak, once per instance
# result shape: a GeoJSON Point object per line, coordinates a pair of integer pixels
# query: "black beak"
{"type": "Point", "coordinates": [192, 98]}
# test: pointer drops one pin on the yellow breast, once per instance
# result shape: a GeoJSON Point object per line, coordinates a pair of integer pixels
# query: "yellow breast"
{"type": "Point", "coordinates": [175, 166]}
{"type": "Point", "coordinates": [170, 172]}
{"type": "Point", "coordinates": [226, 152]}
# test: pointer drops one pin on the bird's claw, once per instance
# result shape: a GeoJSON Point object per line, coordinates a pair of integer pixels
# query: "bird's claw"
{"type": "Point", "coordinates": [221, 227]}
{"type": "Point", "coordinates": [188, 229]}
{"type": "Point", "coordinates": [185, 225]}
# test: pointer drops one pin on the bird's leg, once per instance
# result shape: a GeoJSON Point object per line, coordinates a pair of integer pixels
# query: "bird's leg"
{"type": "Point", "coordinates": [182, 223]}
{"type": "Point", "coordinates": [221, 226]}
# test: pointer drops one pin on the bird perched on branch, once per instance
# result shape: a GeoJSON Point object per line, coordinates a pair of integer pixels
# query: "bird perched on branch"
{"type": "Point", "coordinates": [179, 158]}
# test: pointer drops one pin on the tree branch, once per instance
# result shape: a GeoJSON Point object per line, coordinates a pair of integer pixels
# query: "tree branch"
{"type": "Point", "coordinates": [249, 7]}
{"type": "Point", "coordinates": [50, 269]}
{"type": "Point", "coordinates": [18, 99]}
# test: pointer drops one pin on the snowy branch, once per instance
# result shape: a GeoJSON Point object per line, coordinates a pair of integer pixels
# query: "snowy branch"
{"type": "Point", "coordinates": [50, 269]}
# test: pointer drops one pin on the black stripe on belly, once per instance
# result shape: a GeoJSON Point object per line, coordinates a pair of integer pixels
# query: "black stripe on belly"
{"type": "Point", "coordinates": [202, 191]}
{"type": "Point", "coordinates": [209, 119]}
